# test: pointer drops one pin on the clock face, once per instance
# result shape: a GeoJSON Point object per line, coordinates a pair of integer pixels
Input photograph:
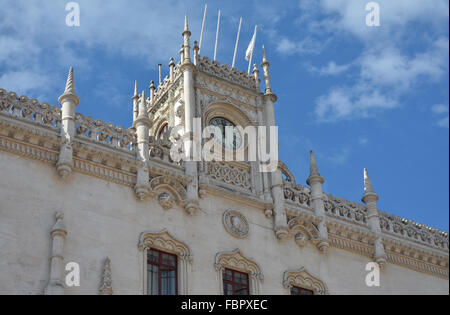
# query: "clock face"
{"type": "Point", "coordinates": [222, 123]}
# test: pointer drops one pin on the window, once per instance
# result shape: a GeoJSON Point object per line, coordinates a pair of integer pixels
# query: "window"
{"type": "Point", "coordinates": [165, 262]}
{"type": "Point", "coordinates": [232, 282]}
{"type": "Point", "coordinates": [161, 273]}
{"type": "Point", "coordinates": [235, 283]}
{"type": "Point", "coordinates": [301, 291]}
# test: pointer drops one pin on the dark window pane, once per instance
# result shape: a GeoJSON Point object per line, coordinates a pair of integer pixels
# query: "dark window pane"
{"type": "Point", "coordinates": [301, 291]}
{"type": "Point", "coordinates": [161, 273]}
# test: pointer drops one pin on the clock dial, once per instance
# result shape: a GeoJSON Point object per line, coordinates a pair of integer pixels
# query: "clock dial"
{"type": "Point", "coordinates": [222, 123]}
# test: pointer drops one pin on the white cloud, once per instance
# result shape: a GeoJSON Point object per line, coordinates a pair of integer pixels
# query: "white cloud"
{"type": "Point", "coordinates": [331, 69]}
{"type": "Point", "coordinates": [307, 45]}
{"type": "Point", "coordinates": [387, 68]}
{"type": "Point", "coordinates": [339, 156]}
{"type": "Point", "coordinates": [351, 102]}
{"type": "Point", "coordinates": [441, 109]}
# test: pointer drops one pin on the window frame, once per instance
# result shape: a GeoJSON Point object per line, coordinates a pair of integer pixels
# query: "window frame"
{"type": "Point", "coordinates": [233, 282]}
{"type": "Point", "coordinates": [160, 264]}
{"type": "Point", "coordinates": [300, 289]}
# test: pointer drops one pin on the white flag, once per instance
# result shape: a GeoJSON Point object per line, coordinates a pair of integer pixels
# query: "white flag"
{"type": "Point", "coordinates": [249, 53]}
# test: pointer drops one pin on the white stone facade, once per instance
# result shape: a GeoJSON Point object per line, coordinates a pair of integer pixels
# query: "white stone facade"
{"type": "Point", "coordinates": [118, 193]}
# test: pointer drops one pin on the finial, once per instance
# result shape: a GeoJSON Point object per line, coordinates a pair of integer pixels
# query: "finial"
{"type": "Point", "coordinates": [367, 184]}
{"type": "Point", "coordinates": [264, 56]}
{"type": "Point", "coordinates": [186, 26]}
{"type": "Point", "coordinates": [143, 106]}
{"type": "Point", "coordinates": [69, 92]}
{"type": "Point", "coordinates": [172, 62]}
{"type": "Point", "coordinates": [314, 171]}
{"type": "Point", "coordinates": [135, 89]}
{"type": "Point", "coordinates": [152, 85]}
{"type": "Point", "coordinates": [255, 68]}
{"type": "Point", "coordinates": [70, 85]}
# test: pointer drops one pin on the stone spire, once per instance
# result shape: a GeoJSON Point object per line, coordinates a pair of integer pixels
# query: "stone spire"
{"type": "Point", "coordinates": [367, 184]}
{"type": "Point", "coordinates": [142, 107]}
{"type": "Point", "coordinates": [256, 77]}
{"type": "Point", "coordinates": [317, 203]}
{"type": "Point", "coordinates": [70, 84]}
{"type": "Point", "coordinates": [265, 65]}
{"type": "Point", "coordinates": [314, 170]}
{"type": "Point", "coordinates": [69, 92]}
{"type": "Point", "coordinates": [152, 92]}
{"type": "Point", "coordinates": [187, 47]}
{"type": "Point", "coordinates": [135, 100]}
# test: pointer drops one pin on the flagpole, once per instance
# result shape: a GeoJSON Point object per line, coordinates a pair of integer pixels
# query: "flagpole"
{"type": "Point", "coordinates": [251, 55]}
{"type": "Point", "coordinates": [237, 43]}
{"type": "Point", "coordinates": [203, 28]}
{"type": "Point", "coordinates": [217, 36]}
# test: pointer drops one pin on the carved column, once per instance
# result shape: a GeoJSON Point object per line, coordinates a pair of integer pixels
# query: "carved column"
{"type": "Point", "coordinates": [69, 101]}
{"type": "Point", "coordinates": [316, 181]}
{"type": "Point", "coordinates": [370, 198]}
{"type": "Point", "coordinates": [58, 236]}
{"type": "Point", "coordinates": [142, 125]}
{"type": "Point", "coordinates": [192, 203]}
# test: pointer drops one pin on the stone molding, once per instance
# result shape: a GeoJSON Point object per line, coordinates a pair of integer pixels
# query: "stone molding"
{"type": "Point", "coordinates": [303, 279]}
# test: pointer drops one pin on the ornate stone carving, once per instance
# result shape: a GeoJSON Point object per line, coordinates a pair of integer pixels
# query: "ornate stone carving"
{"type": "Point", "coordinates": [226, 73]}
{"type": "Point", "coordinates": [165, 241]}
{"type": "Point", "coordinates": [166, 201]}
{"type": "Point", "coordinates": [303, 279]}
{"type": "Point", "coordinates": [230, 174]}
{"type": "Point", "coordinates": [235, 224]}
{"type": "Point", "coordinates": [106, 284]}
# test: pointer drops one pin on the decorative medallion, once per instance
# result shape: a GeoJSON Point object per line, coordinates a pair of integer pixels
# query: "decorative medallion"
{"type": "Point", "coordinates": [235, 224]}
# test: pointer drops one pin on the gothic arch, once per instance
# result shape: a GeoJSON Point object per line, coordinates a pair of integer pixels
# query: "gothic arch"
{"type": "Point", "coordinates": [302, 278]}
{"type": "Point", "coordinates": [164, 241]}
{"type": "Point", "coordinates": [237, 261]}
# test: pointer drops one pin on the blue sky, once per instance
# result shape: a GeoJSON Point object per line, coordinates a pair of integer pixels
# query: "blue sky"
{"type": "Point", "coordinates": [358, 96]}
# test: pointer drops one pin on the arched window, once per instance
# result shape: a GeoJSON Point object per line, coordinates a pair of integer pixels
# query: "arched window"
{"type": "Point", "coordinates": [165, 264]}
{"type": "Point", "coordinates": [237, 274]}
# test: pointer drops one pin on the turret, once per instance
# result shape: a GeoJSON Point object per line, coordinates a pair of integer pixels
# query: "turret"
{"type": "Point", "coordinates": [370, 198]}
{"type": "Point", "coordinates": [317, 203]}
{"type": "Point", "coordinates": [69, 101]}
{"type": "Point", "coordinates": [188, 69]}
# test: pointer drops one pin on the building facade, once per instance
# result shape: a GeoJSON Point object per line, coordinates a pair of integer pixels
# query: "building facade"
{"type": "Point", "coordinates": [79, 192]}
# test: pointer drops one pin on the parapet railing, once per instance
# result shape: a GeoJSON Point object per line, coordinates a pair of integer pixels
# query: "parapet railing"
{"type": "Point", "coordinates": [30, 109]}
{"type": "Point", "coordinates": [108, 134]}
